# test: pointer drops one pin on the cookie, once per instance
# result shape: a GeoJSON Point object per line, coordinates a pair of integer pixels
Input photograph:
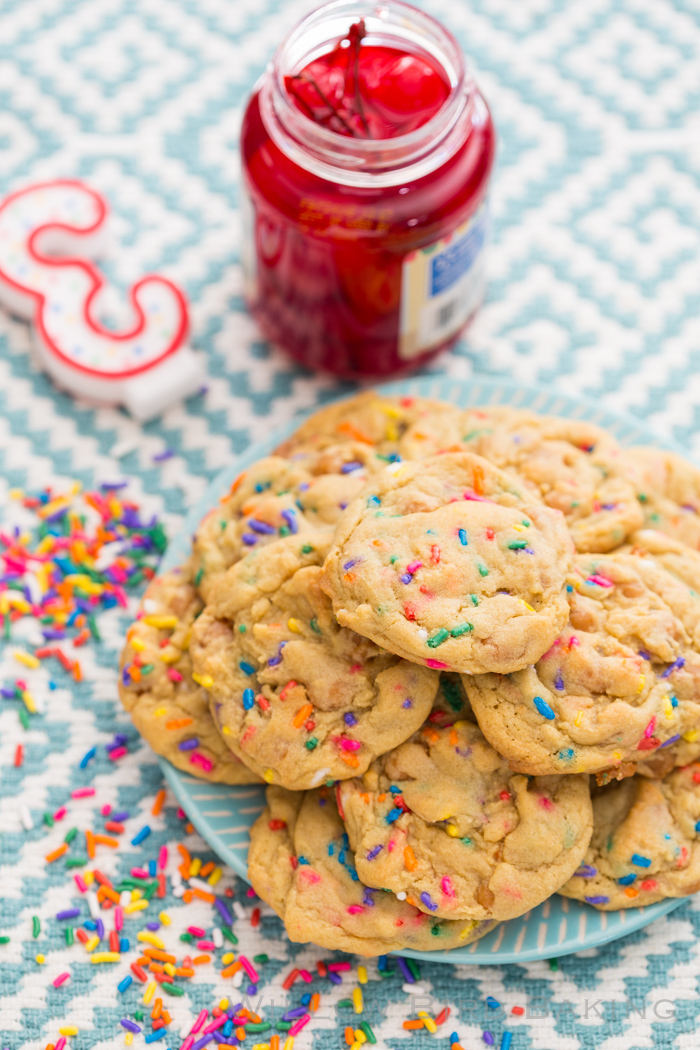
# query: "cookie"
{"type": "Point", "coordinates": [668, 490]}
{"type": "Point", "coordinates": [299, 698]}
{"type": "Point", "coordinates": [446, 562]}
{"type": "Point", "coordinates": [453, 430]}
{"type": "Point", "coordinates": [276, 498]}
{"type": "Point", "coordinates": [369, 418]}
{"type": "Point", "coordinates": [169, 709]}
{"type": "Point", "coordinates": [645, 845]}
{"type": "Point", "coordinates": [300, 863]}
{"type": "Point", "coordinates": [443, 822]}
{"type": "Point", "coordinates": [621, 681]}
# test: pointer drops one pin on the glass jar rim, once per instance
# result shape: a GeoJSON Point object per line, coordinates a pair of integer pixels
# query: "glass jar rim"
{"type": "Point", "coordinates": [365, 161]}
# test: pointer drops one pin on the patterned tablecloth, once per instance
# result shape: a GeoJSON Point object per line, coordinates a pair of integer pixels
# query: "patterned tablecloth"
{"type": "Point", "coordinates": [594, 288]}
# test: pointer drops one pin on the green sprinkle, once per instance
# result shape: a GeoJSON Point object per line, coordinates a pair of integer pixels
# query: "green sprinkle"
{"type": "Point", "coordinates": [393, 559]}
{"type": "Point", "coordinates": [36, 926]}
{"type": "Point", "coordinates": [438, 638]}
{"type": "Point", "coordinates": [76, 862]}
{"type": "Point", "coordinates": [138, 1015]}
{"type": "Point", "coordinates": [311, 743]}
{"type": "Point", "coordinates": [452, 694]}
{"type": "Point", "coordinates": [526, 523]}
{"type": "Point", "coordinates": [463, 628]}
{"type": "Point", "coordinates": [306, 549]}
{"type": "Point", "coordinates": [172, 989]}
{"type": "Point", "coordinates": [4, 939]}
{"type": "Point", "coordinates": [69, 936]}
{"type": "Point", "coordinates": [386, 973]}
{"type": "Point", "coordinates": [92, 624]}
{"type": "Point", "coordinates": [187, 938]}
{"type": "Point", "coordinates": [6, 629]}
{"type": "Point", "coordinates": [261, 1026]}
{"type": "Point", "coordinates": [48, 820]}
{"type": "Point", "coordinates": [344, 1004]}
{"type": "Point", "coordinates": [554, 964]}
{"type": "Point", "coordinates": [242, 628]}
{"type": "Point", "coordinates": [198, 577]}
{"type": "Point", "coordinates": [150, 890]}
{"type": "Point", "coordinates": [261, 958]}
{"type": "Point", "coordinates": [414, 968]}
{"type": "Point", "coordinates": [435, 930]}
{"type": "Point", "coordinates": [283, 1026]}
{"type": "Point", "coordinates": [466, 842]}
{"type": "Point", "coordinates": [517, 545]}
{"type": "Point", "coordinates": [367, 1029]}
{"type": "Point", "coordinates": [483, 571]}
{"type": "Point", "coordinates": [284, 530]}
{"type": "Point", "coordinates": [23, 717]}
{"type": "Point", "coordinates": [229, 934]}
{"type": "Point", "coordinates": [147, 668]}
{"type": "Point", "coordinates": [70, 835]}
{"type": "Point", "coordinates": [474, 598]}
{"type": "Point", "coordinates": [314, 626]}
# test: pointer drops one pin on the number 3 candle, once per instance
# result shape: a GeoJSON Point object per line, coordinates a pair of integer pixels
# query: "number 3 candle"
{"type": "Point", "coordinates": [367, 151]}
{"type": "Point", "coordinates": [48, 233]}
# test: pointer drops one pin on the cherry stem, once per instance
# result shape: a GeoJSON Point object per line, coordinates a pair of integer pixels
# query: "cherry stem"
{"type": "Point", "coordinates": [306, 79]}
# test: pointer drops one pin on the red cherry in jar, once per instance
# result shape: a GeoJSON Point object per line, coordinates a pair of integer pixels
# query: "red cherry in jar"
{"type": "Point", "coordinates": [367, 151]}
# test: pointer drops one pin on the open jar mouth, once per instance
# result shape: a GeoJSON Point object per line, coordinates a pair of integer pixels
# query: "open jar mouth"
{"type": "Point", "coordinates": [364, 161]}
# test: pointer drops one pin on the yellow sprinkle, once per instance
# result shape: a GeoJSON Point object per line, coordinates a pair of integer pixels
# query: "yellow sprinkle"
{"type": "Point", "coordinates": [138, 645]}
{"type": "Point", "coordinates": [356, 1045]}
{"type": "Point", "coordinates": [294, 625]}
{"type": "Point", "coordinates": [128, 1038]}
{"type": "Point", "coordinates": [88, 878]}
{"type": "Point", "coordinates": [362, 974]}
{"type": "Point", "coordinates": [41, 959]}
{"type": "Point", "coordinates": [226, 730]}
{"type": "Point", "coordinates": [100, 957]}
{"type": "Point", "coordinates": [92, 943]}
{"type": "Point", "coordinates": [223, 1005]}
{"type": "Point", "coordinates": [391, 410]}
{"type": "Point", "coordinates": [69, 1029]}
{"type": "Point", "coordinates": [427, 1021]}
{"type": "Point", "coordinates": [668, 707]}
{"type": "Point", "coordinates": [159, 712]}
{"type": "Point", "coordinates": [577, 720]}
{"type": "Point", "coordinates": [215, 876]}
{"type": "Point", "coordinates": [205, 680]}
{"type": "Point", "coordinates": [261, 1046]}
{"type": "Point", "coordinates": [150, 938]}
{"type": "Point", "coordinates": [528, 607]}
{"type": "Point", "coordinates": [690, 736]}
{"type": "Point", "coordinates": [268, 776]}
{"type": "Point", "coordinates": [169, 969]}
{"type": "Point", "coordinates": [135, 906]}
{"type": "Point", "coordinates": [150, 992]}
{"type": "Point", "coordinates": [452, 831]}
{"type": "Point", "coordinates": [467, 929]}
{"type": "Point", "coordinates": [228, 958]}
{"type": "Point", "coordinates": [171, 656]}
{"type": "Point", "coordinates": [392, 433]}
{"type": "Point", "coordinates": [360, 1036]}
{"type": "Point", "coordinates": [165, 918]}
{"type": "Point", "coordinates": [136, 895]}
{"type": "Point", "coordinates": [195, 865]}
{"type": "Point", "coordinates": [519, 528]}
{"type": "Point", "coordinates": [357, 1000]}
{"type": "Point", "coordinates": [16, 493]}
{"type": "Point", "coordinates": [27, 659]}
{"type": "Point", "coordinates": [642, 681]}
{"type": "Point", "coordinates": [289, 1043]}
{"type": "Point", "coordinates": [161, 622]}
{"type": "Point", "coordinates": [29, 702]}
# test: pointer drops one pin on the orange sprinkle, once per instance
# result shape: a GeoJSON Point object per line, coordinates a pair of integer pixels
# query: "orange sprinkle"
{"type": "Point", "coordinates": [235, 486]}
{"type": "Point", "coordinates": [157, 1009]}
{"type": "Point", "coordinates": [204, 896]}
{"type": "Point", "coordinates": [479, 480]}
{"type": "Point", "coordinates": [178, 723]}
{"type": "Point", "coordinates": [302, 714]}
{"type": "Point", "coordinates": [55, 854]}
{"type": "Point", "coordinates": [189, 828]}
{"type": "Point", "coordinates": [158, 804]}
{"type": "Point", "coordinates": [454, 739]}
{"type": "Point", "coordinates": [206, 869]}
{"type": "Point", "coordinates": [631, 892]}
{"type": "Point", "coordinates": [106, 840]}
{"type": "Point", "coordinates": [184, 971]}
{"type": "Point", "coordinates": [156, 953]}
{"type": "Point", "coordinates": [199, 959]}
{"type": "Point", "coordinates": [413, 1026]}
{"type": "Point", "coordinates": [240, 1032]}
{"type": "Point", "coordinates": [349, 759]}
{"type": "Point", "coordinates": [90, 844]}
{"type": "Point", "coordinates": [315, 1000]}
{"type": "Point", "coordinates": [106, 891]}
{"type": "Point", "coordinates": [354, 432]}
{"type": "Point", "coordinates": [230, 970]}
{"type": "Point", "coordinates": [365, 797]}
{"type": "Point", "coordinates": [409, 859]}
{"type": "Point", "coordinates": [188, 896]}
{"type": "Point", "coordinates": [166, 1017]}
{"type": "Point", "coordinates": [349, 1035]}
{"type": "Point", "coordinates": [184, 870]}
{"type": "Point", "coordinates": [274, 1042]}
{"type": "Point", "coordinates": [155, 967]}
{"type": "Point", "coordinates": [349, 577]}
{"type": "Point", "coordinates": [431, 735]}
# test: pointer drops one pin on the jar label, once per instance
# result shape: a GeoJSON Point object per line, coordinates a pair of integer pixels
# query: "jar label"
{"type": "Point", "coordinates": [441, 286]}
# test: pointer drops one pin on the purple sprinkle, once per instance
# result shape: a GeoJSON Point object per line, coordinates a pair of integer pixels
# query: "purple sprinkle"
{"type": "Point", "coordinates": [675, 666]}
{"type": "Point", "coordinates": [53, 634]}
{"type": "Point", "coordinates": [598, 900]}
{"type": "Point", "coordinates": [99, 928]}
{"type": "Point", "coordinates": [160, 457]}
{"type": "Point", "coordinates": [261, 527]}
{"type": "Point", "coordinates": [201, 1043]}
{"type": "Point", "coordinates": [303, 486]}
{"type": "Point", "coordinates": [252, 989]}
{"type": "Point", "coordinates": [375, 852]}
{"type": "Point", "coordinates": [274, 661]}
{"type": "Point", "coordinates": [347, 467]}
{"type": "Point", "coordinates": [349, 564]}
{"type": "Point", "coordinates": [671, 740]}
{"type": "Point", "coordinates": [298, 1011]}
{"type": "Point", "coordinates": [367, 898]}
{"type": "Point", "coordinates": [223, 912]}
{"type": "Point", "coordinates": [334, 977]}
{"type": "Point", "coordinates": [403, 965]}
{"type": "Point", "coordinates": [644, 654]}
{"type": "Point", "coordinates": [408, 702]}
{"type": "Point", "coordinates": [406, 578]}
{"type": "Point", "coordinates": [486, 1036]}
{"type": "Point", "coordinates": [122, 815]}
{"type": "Point", "coordinates": [153, 926]}
{"type": "Point", "coordinates": [586, 872]}
{"type": "Point", "coordinates": [428, 901]}
{"type": "Point", "coordinates": [291, 519]}
{"type": "Point", "coordinates": [233, 1010]}
{"type": "Point", "coordinates": [130, 1026]}
{"type": "Point", "coordinates": [112, 486]}
{"type": "Point", "coordinates": [68, 913]}
{"type": "Point", "coordinates": [349, 719]}
{"type": "Point", "coordinates": [249, 539]}
{"type": "Point", "coordinates": [342, 506]}
{"type": "Point", "coordinates": [189, 745]}
{"type": "Point", "coordinates": [559, 681]}
{"type": "Point", "coordinates": [7, 694]}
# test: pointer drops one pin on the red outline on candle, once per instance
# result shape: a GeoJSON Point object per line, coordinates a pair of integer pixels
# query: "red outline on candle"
{"type": "Point", "coordinates": [98, 282]}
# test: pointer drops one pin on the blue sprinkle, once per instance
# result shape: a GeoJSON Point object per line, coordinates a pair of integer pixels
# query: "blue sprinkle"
{"type": "Point", "coordinates": [153, 1036]}
{"type": "Point", "coordinates": [641, 862]}
{"type": "Point", "coordinates": [674, 701]}
{"type": "Point", "coordinates": [381, 962]}
{"type": "Point", "coordinates": [306, 999]}
{"type": "Point", "coordinates": [393, 815]}
{"type": "Point", "coordinates": [697, 826]}
{"type": "Point", "coordinates": [246, 668]}
{"type": "Point", "coordinates": [152, 872]}
{"type": "Point", "coordinates": [567, 754]}
{"type": "Point", "coordinates": [671, 740]}
{"type": "Point", "coordinates": [407, 702]}
{"type": "Point", "coordinates": [124, 945]}
{"type": "Point", "coordinates": [90, 924]}
{"type": "Point", "coordinates": [627, 880]}
{"type": "Point", "coordinates": [141, 835]}
{"type": "Point", "coordinates": [454, 1038]}
{"type": "Point", "coordinates": [248, 699]}
{"type": "Point", "coordinates": [291, 519]}
{"type": "Point", "coordinates": [506, 1040]}
{"type": "Point", "coordinates": [463, 537]}
{"type": "Point", "coordinates": [87, 757]}
{"type": "Point", "coordinates": [492, 1003]}
{"type": "Point", "coordinates": [543, 707]}
{"type": "Point", "coordinates": [644, 654]}
{"type": "Point", "coordinates": [124, 983]}
{"type": "Point", "coordinates": [373, 501]}
{"type": "Point", "coordinates": [303, 486]}
{"type": "Point", "coordinates": [395, 790]}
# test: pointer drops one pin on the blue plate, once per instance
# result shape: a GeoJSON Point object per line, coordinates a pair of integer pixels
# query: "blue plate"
{"type": "Point", "coordinates": [223, 815]}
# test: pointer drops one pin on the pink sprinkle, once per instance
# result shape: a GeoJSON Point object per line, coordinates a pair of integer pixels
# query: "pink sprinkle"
{"type": "Point", "coordinates": [447, 887]}
{"type": "Point", "coordinates": [118, 752]}
{"type": "Point", "coordinates": [174, 675]}
{"type": "Point", "coordinates": [437, 664]}
{"type": "Point", "coordinates": [601, 581]}
{"type": "Point", "coordinates": [60, 1043]}
{"type": "Point", "coordinates": [200, 1021]}
{"type": "Point", "coordinates": [392, 843]}
{"type": "Point", "coordinates": [414, 567]}
{"type": "Point", "coordinates": [477, 499]}
{"type": "Point", "coordinates": [298, 1025]}
{"type": "Point", "coordinates": [196, 931]}
{"type": "Point", "coordinates": [61, 979]}
{"type": "Point", "coordinates": [355, 909]}
{"type": "Point", "coordinates": [60, 813]}
{"type": "Point", "coordinates": [341, 967]}
{"type": "Point", "coordinates": [249, 968]}
{"type": "Point", "coordinates": [573, 641]}
{"type": "Point", "coordinates": [206, 946]}
{"type": "Point", "coordinates": [216, 1023]}
{"type": "Point", "coordinates": [649, 731]}
{"type": "Point", "coordinates": [82, 793]}
{"type": "Point", "coordinates": [305, 976]}
{"type": "Point", "coordinates": [118, 918]}
{"type": "Point", "coordinates": [546, 803]}
{"type": "Point", "coordinates": [181, 815]}
{"type": "Point", "coordinates": [198, 759]}
{"type": "Point", "coordinates": [349, 745]}
{"type": "Point", "coordinates": [106, 809]}
{"type": "Point", "coordinates": [250, 892]}
{"type": "Point", "coordinates": [188, 1042]}
{"type": "Point", "coordinates": [163, 858]}
{"type": "Point", "coordinates": [80, 883]}
{"type": "Point", "coordinates": [139, 873]}
{"type": "Point", "coordinates": [354, 668]}
{"type": "Point", "coordinates": [120, 595]}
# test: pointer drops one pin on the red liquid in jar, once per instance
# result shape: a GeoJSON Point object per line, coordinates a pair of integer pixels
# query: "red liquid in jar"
{"type": "Point", "coordinates": [329, 257]}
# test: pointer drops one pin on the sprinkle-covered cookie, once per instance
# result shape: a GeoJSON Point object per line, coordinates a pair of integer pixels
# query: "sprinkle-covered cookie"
{"type": "Point", "coordinates": [299, 698]}
{"type": "Point", "coordinates": [444, 823]}
{"type": "Point", "coordinates": [621, 682]}
{"type": "Point", "coordinates": [167, 707]}
{"type": "Point", "coordinates": [276, 498]}
{"type": "Point", "coordinates": [668, 490]}
{"type": "Point", "coordinates": [448, 563]}
{"type": "Point", "coordinates": [645, 845]}
{"type": "Point", "coordinates": [301, 864]}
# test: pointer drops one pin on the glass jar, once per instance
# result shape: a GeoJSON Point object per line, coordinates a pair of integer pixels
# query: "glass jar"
{"type": "Point", "coordinates": [365, 256]}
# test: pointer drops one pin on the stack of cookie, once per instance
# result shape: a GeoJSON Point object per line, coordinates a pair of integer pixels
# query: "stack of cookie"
{"type": "Point", "coordinates": [424, 627]}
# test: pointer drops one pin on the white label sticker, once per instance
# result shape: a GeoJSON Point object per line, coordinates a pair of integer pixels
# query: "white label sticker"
{"type": "Point", "coordinates": [441, 286]}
